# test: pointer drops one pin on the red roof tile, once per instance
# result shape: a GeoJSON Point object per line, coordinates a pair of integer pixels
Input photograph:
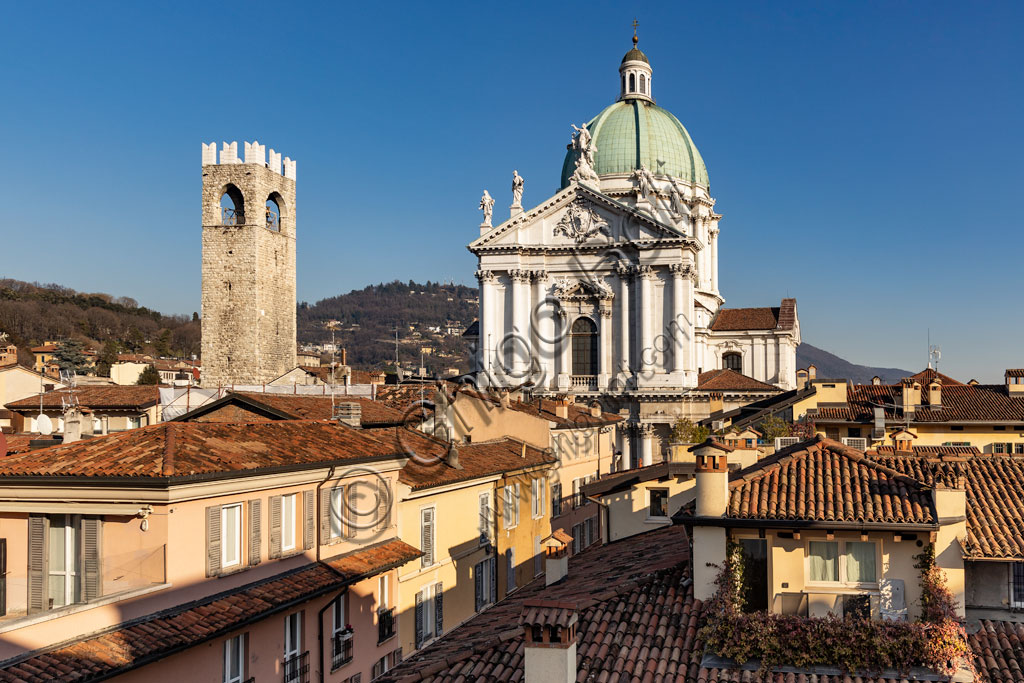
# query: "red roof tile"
{"type": "Point", "coordinates": [187, 449]}
{"type": "Point", "coordinates": [305, 407]}
{"type": "Point", "coordinates": [100, 396]}
{"type": "Point", "coordinates": [730, 380]}
{"type": "Point", "coordinates": [960, 403]}
{"type": "Point", "coordinates": [142, 640]}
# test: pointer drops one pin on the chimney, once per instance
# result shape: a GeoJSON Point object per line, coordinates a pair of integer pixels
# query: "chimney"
{"type": "Point", "coordinates": [911, 396]}
{"type": "Point", "coordinates": [876, 380]}
{"type": "Point", "coordinates": [505, 400]}
{"type": "Point", "coordinates": [903, 441]}
{"type": "Point", "coordinates": [712, 489]}
{"type": "Point", "coordinates": [1015, 382]}
{"type": "Point", "coordinates": [549, 630]}
{"type": "Point", "coordinates": [812, 372]}
{"type": "Point", "coordinates": [556, 556]}
{"type": "Point", "coordinates": [451, 458]}
{"type": "Point", "coordinates": [72, 425]}
{"type": "Point", "coordinates": [595, 409]}
{"type": "Point", "coordinates": [562, 407]}
{"type": "Point", "coordinates": [950, 499]}
{"type": "Point", "coordinates": [349, 413]}
{"type": "Point", "coordinates": [935, 393]}
{"type": "Point", "coordinates": [801, 378]}
{"type": "Point", "coordinates": [716, 404]}
{"type": "Point", "coordinates": [344, 356]}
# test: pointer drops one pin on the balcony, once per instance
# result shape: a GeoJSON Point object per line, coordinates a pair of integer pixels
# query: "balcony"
{"type": "Point", "coordinates": [385, 624]}
{"type": "Point", "coordinates": [584, 382]}
{"type": "Point", "coordinates": [231, 217]}
{"type": "Point", "coordinates": [341, 649]}
{"type": "Point", "coordinates": [296, 669]}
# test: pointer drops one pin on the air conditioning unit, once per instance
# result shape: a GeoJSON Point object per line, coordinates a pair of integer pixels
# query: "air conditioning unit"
{"type": "Point", "coordinates": [858, 442]}
{"type": "Point", "coordinates": [786, 441]}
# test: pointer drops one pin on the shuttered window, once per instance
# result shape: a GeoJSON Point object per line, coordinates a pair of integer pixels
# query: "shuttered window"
{"type": "Point", "coordinates": [288, 522]}
{"type": "Point", "coordinates": [486, 523]}
{"type": "Point", "coordinates": [332, 518]}
{"type": "Point", "coordinates": [64, 561]}
{"type": "Point", "coordinates": [427, 536]}
{"type": "Point", "coordinates": [537, 487]}
{"type": "Point", "coordinates": [383, 505]}
{"type": "Point", "coordinates": [510, 507]}
{"type": "Point", "coordinates": [308, 521]}
{"type": "Point", "coordinates": [510, 570]}
{"type": "Point", "coordinates": [231, 535]}
{"type": "Point", "coordinates": [556, 500]}
{"type": "Point", "coordinates": [234, 659]}
{"type": "Point", "coordinates": [275, 527]}
{"type": "Point", "coordinates": [484, 584]}
{"type": "Point", "coordinates": [255, 530]}
{"type": "Point", "coordinates": [429, 613]}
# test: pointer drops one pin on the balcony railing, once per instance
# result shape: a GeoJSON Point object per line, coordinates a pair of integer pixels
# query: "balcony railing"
{"type": "Point", "coordinates": [231, 216]}
{"type": "Point", "coordinates": [584, 381]}
{"type": "Point", "coordinates": [296, 669]}
{"type": "Point", "coordinates": [385, 623]}
{"type": "Point", "coordinates": [341, 650]}
{"type": "Point", "coordinates": [273, 220]}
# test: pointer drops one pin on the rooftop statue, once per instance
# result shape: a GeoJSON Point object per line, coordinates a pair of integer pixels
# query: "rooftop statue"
{"type": "Point", "coordinates": [487, 206]}
{"type": "Point", "coordinates": [517, 189]}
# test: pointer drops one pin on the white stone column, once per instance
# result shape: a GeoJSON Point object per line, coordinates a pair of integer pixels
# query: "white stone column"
{"type": "Point", "coordinates": [604, 369]}
{"type": "Point", "coordinates": [543, 329]}
{"type": "Point", "coordinates": [625, 273]}
{"type": "Point", "coordinates": [713, 236]}
{"type": "Point", "coordinates": [679, 327]}
{"type": "Point", "coordinates": [485, 344]}
{"type": "Point", "coordinates": [521, 324]}
{"type": "Point", "coordinates": [646, 445]}
{"type": "Point", "coordinates": [646, 312]}
{"type": "Point", "coordinates": [564, 348]}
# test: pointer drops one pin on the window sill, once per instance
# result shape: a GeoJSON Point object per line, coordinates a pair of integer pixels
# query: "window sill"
{"type": "Point", "coordinates": [391, 637]}
{"type": "Point", "coordinates": [32, 619]}
{"type": "Point", "coordinates": [658, 520]}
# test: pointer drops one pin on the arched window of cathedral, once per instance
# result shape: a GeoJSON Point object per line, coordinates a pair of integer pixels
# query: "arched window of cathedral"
{"type": "Point", "coordinates": [232, 206]}
{"type": "Point", "coordinates": [733, 361]}
{"type": "Point", "coordinates": [643, 84]}
{"type": "Point", "coordinates": [632, 83]}
{"type": "Point", "coordinates": [584, 347]}
{"type": "Point", "coordinates": [273, 212]}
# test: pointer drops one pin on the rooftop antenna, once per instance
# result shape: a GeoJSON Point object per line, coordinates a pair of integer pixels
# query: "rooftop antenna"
{"type": "Point", "coordinates": [934, 353]}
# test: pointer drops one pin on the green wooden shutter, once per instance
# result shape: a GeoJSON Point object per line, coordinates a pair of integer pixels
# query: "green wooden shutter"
{"type": "Point", "coordinates": [255, 531]}
{"type": "Point", "coordinates": [38, 529]}
{"type": "Point", "coordinates": [275, 527]}
{"type": "Point", "coordinates": [308, 521]}
{"type": "Point", "coordinates": [213, 556]}
{"type": "Point", "coordinates": [92, 544]}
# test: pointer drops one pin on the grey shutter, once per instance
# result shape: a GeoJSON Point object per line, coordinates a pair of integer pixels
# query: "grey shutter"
{"type": "Point", "coordinates": [438, 609]}
{"type": "Point", "coordinates": [478, 584]}
{"type": "Point", "coordinates": [485, 531]}
{"type": "Point", "coordinates": [275, 527]}
{"type": "Point", "coordinates": [419, 619]}
{"type": "Point", "coordinates": [255, 530]}
{"type": "Point", "coordinates": [325, 515]}
{"type": "Point", "coordinates": [383, 505]}
{"type": "Point", "coordinates": [92, 581]}
{"type": "Point", "coordinates": [308, 523]}
{"type": "Point", "coordinates": [213, 558]}
{"type": "Point", "coordinates": [427, 535]}
{"type": "Point", "coordinates": [494, 579]}
{"type": "Point", "coordinates": [556, 499]}
{"type": "Point", "coordinates": [38, 528]}
{"type": "Point", "coordinates": [3, 577]}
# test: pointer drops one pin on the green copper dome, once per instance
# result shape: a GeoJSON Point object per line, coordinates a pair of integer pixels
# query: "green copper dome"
{"type": "Point", "coordinates": [634, 132]}
{"type": "Point", "coordinates": [635, 55]}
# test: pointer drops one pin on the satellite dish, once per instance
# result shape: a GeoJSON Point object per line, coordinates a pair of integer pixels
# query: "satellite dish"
{"type": "Point", "coordinates": [45, 424]}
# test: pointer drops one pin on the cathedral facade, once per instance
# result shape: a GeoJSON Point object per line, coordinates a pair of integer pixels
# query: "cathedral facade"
{"type": "Point", "coordinates": [609, 289]}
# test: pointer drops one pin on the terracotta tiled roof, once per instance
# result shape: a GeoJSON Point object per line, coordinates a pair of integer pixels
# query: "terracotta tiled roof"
{"type": "Point", "coordinates": [995, 496]}
{"type": "Point", "coordinates": [928, 374]}
{"type": "Point", "coordinates": [142, 640]}
{"type": "Point", "coordinates": [102, 396]}
{"type": "Point", "coordinates": [998, 648]}
{"type": "Point", "coordinates": [46, 348]}
{"type": "Point", "coordinates": [427, 466]}
{"type": "Point", "coordinates": [960, 403]}
{"type": "Point", "coordinates": [730, 380]}
{"type": "Point", "coordinates": [927, 450]}
{"type": "Point", "coordinates": [402, 396]}
{"type": "Point", "coordinates": [188, 449]}
{"type": "Point", "coordinates": [18, 443]}
{"type": "Point", "coordinates": [730, 319]}
{"type": "Point", "coordinates": [823, 480]}
{"type": "Point", "coordinates": [305, 407]}
{"type": "Point", "coordinates": [1014, 372]}
{"type": "Point", "coordinates": [635, 613]}
{"type": "Point", "coordinates": [577, 415]}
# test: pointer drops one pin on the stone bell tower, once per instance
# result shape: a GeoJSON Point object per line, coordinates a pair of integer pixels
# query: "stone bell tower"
{"type": "Point", "coordinates": [248, 265]}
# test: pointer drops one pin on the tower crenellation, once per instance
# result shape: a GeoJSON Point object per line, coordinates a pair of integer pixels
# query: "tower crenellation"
{"type": "Point", "coordinates": [248, 298]}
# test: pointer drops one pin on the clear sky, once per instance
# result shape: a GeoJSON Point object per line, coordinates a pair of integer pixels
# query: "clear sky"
{"type": "Point", "coordinates": [866, 156]}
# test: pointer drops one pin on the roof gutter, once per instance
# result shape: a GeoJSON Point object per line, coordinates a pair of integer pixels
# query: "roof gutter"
{"type": "Point", "coordinates": [734, 523]}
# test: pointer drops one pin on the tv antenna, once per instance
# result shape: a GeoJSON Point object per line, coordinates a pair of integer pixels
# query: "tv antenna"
{"type": "Point", "coordinates": [934, 353]}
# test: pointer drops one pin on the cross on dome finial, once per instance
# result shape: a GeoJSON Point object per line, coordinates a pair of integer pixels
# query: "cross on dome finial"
{"type": "Point", "coordinates": [635, 24]}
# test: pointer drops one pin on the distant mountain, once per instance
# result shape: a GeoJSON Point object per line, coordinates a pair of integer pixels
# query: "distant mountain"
{"type": "Point", "coordinates": [833, 367]}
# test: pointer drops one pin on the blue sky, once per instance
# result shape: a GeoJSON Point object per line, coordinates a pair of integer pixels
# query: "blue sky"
{"type": "Point", "coordinates": [866, 156]}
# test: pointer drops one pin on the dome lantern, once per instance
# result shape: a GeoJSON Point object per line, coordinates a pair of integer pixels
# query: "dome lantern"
{"type": "Point", "coordinates": [635, 73]}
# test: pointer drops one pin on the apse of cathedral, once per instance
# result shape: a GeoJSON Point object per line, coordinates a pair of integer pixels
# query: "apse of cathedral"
{"type": "Point", "coordinates": [608, 290]}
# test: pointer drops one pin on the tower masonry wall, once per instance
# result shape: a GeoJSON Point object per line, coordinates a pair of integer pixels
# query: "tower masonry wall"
{"type": "Point", "coordinates": [248, 297]}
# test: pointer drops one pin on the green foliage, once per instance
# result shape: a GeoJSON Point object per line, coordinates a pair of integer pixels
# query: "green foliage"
{"type": "Point", "coordinates": [686, 430]}
{"type": "Point", "coordinates": [162, 345]}
{"type": "Point", "coordinates": [70, 357]}
{"type": "Point", "coordinates": [772, 427]}
{"type": "Point", "coordinates": [937, 641]}
{"type": "Point", "coordinates": [149, 376]}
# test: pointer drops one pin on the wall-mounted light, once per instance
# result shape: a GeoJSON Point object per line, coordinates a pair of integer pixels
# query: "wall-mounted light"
{"type": "Point", "coordinates": [144, 513]}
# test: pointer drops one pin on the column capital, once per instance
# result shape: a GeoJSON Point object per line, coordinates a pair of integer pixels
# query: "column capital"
{"type": "Point", "coordinates": [646, 272]}
{"type": "Point", "coordinates": [713, 231]}
{"type": "Point", "coordinates": [606, 312]}
{"type": "Point", "coordinates": [540, 276]}
{"type": "Point", "coordinates": [519, 275]}
{"type": "Point", "coordinates": [624, 270]}
{"type": "Point", "coordinates": [485, 275]}
{"type": "Point", "coordinates": [645, 430]}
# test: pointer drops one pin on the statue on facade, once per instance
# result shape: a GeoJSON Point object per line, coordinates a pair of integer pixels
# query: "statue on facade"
{"type": "Point", "coordinates": [645, 180]}
{"type": "Point", "coordinates": [583, 145]}
{"type": "Point", "coordinates": [487, 206]}
{"type": "Point", "coordinates": [517, 189]}
{"type": "Point", "coordinates": [678, 203]}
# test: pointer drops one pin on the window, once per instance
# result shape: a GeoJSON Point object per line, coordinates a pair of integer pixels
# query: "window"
{"type": "Point", "coordinates": [510, 513]}
{"type": "Point", "coordinates": [486, 519]}
{"type": "Point", "coordinates": [383, 594]}
{"type": "Point", "coordinates": [577, 538]}
{"type": "Point", "coordinates": [288, 522]}
{"type": "Point", "coordinates": [583, 341]}
{"type": "Point", "coordinates": [427, 536]}
{"type": "Point", "coordinates": [632, 83]}
{"type": "Point", "coordinates": [537, 498]}
{"type": "Point", "coordinates": [733, 361]}
{"type": "Point", "coordinates": [292, 635]}
{"type": "Point", "coordinates": [510, 570]}
{"type": "Point", "coordinates": [337, 508]}
{"type": "Point", "coordinates": [231, 535]}
{"type": "Point", "coordinates": [643, 84]}
{"type": "Point", "coordinates": [556, 500]}
{"type": "Point", "coordinates": [854, 432]}
{"type": "Point", "coordinates": [856, 564]}
{"type": "Point", "coordinates": [341, 634]}
{"type": "Point", "coordinates": [484, 583]}
{"type": "Point", "coordinates": [234, 659]}
{"type": "Point", "coordinates": [429, 613]}
{"type": "Point", "coordinates": [659, 504]}
{"type": "Point", "coordinates": [385, 613]}
{"type": "Point", "coordinates": [1017, 584]}
{"type": "Point", "coordinates": [64, 574]}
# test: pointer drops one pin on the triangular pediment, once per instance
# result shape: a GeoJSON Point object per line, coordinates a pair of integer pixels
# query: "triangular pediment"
{"type": "Point", "coordinates": [578, 216]}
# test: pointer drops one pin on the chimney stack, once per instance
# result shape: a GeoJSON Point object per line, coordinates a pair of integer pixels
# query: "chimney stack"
{"type": "Point", "coordinates": [562, 407]}
{"type": "Point", "coordinates": [556, 556]}
{"type": "Point", "coordinates": [812, 372]}
{"type": "Point", "coordinates": [595, 409]}
{"type": "Point", "coordinates": [801, 378]}
{"type": "Point", "coordinates": [349, 413]}
{"type": "Point", "coordinates": [712, 489]}
{"type": "Point", "coordinates": [505, 400]}
{"type": "Point", "coordinates": [716, 402]}
{"type": "Point", "coordinates": [935, 393]}
{"type": "Point", "coordinates": [911, 397]}
{"type": "Point", "coordinates": [72, 425]}
{"type": "Point", "coordinates": [1015, 382]}
{"type": "Point", "coordinates": [876, 380]}
{"type": "Point", "coordinates": [451, 458]}
{"type": "Point", "coordinates": [549, 630]}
